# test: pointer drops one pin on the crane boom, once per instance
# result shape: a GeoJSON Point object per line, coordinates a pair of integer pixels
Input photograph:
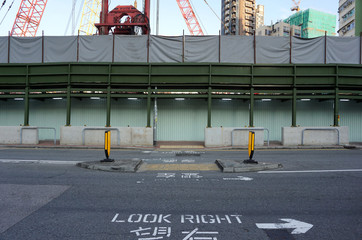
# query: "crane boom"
{"type": "Point", "coordinates": [28, 18]}
{"type": "Point", "coordinates": [90, 14]}
{"type": "Point", "coordinates": [190, 17]}
{"type": "Point", "coordinates": [296, 7]}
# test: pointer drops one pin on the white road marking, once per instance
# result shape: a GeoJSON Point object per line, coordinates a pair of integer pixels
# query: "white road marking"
{"type": "Point", "coordinates": [40, 161]}
{"type": "Point", "coordinates": [298, 226]}
{"type": "Point", "coordinates": [239, 178]}
{"type": "Point", "coordinates": [314, 171]}
{"type": "Point", "coordinates": [187, 161]}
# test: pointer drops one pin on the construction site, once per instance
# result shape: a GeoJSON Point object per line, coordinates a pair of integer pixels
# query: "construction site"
{"type": "Point", "coordinates": [114, 74]}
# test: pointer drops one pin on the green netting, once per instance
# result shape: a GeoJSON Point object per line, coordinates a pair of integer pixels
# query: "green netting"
{"type": "Point", "coordinates": [313, 23]}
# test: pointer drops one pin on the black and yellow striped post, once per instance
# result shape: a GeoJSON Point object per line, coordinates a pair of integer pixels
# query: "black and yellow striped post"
{"type": "Point", "coordinates": [107, 146]}
{"type": "Point", "coordinates": [251, 147]}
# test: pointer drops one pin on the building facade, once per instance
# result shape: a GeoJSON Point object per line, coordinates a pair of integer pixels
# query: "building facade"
{"type": "Point", "coordinates": [280, 29]}
{"type": "Point", "coordinates": [350, 18]}
{"type": "Point", "coordinates": [259, 16]}
{"type": "Point", "coordinates": [238, 17]}
{"type": "Point", "coordinates": [313, 23]}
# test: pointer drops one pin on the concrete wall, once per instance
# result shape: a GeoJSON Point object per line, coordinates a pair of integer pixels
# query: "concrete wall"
{"type": "Point", "coordinates": [313, 136]}
{"type": "Point", "coordinates": [222, 137]}
{"type": "Point", "coordinates": [11, 135]}
{"type": "Point", "coordinates": [127, 136]}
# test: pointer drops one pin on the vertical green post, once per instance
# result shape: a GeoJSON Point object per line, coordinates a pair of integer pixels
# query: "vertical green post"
{"type": "Point", "coordinates": [251, 107]}
{"type": "Point", "coordinates": [149, 96]}
{"type": "Point", "coordinates": [294, 99]}
{"type": "Point", "coordinates": [69, 103]}
{"type": "Point", "coordinates": [336, 108]}
{"type": "Point", "coordinates": [108, 106]}
{"type": "Point", "coordinates": [26, 110]}
{"type": "Point", "coordinates": [26, 99]}
{"type": "Point", "coordinates": [108, 124]}
{"type": "Point", "coordinates": [149, 108]}
{"type": "Point", "coordinates": [336, 101]}
{"type": "Point", "coordinates": [209, 100]}
{"type": "Point", "coordinates": [294, 107]}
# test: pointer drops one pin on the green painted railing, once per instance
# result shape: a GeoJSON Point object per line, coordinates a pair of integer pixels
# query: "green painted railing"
{"type": "Point", "coordinates": [186, 80]}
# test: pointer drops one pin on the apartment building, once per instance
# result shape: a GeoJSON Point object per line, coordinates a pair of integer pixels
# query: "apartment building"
{"type": "Point", "coordinates": [259, 16]}
{"type": "Point", "coordinates": [350, 18]}
{"type": "Point", "coordinates": [238, 17]}
{"type": "Point", "coordinates": [279, 29]}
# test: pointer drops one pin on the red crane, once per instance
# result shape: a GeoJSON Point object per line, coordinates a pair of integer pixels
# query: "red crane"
{"type": "Point", "coordinates": [190, 17]}
{"type": "Point", "coordinates": [126, 20]}
{"type": "Point", "coordinates": [28, 18]}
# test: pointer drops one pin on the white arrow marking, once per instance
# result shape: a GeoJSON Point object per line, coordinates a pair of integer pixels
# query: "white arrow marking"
{"type": "Point", "coordinates": [299, 227]}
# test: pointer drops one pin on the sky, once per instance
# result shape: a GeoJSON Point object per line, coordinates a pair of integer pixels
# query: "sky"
{"type": "Point", "coordinates": [57, 14]}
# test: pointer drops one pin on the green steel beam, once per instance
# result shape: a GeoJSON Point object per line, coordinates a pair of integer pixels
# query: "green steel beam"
{"type": "Point", "coordinates": [26, 100]}
{"type": "Point", "coordinates": [209, 102]}
{"type": "Point", "coordinates": [294, 99]}
{"type": "Point", "coordinates": [69, 104]}
{"type": "Point", "coordinates": [39, 96]}
{"type": "Point", "coordinates": [149, 108]}
{"type": "Point", "coordinates": [251, 107]}
{"type": "Point", "coordinates": [336, 101]}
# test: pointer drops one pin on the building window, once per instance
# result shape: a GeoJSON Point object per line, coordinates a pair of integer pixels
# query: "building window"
{"type": "Point", "coordinates": [345, 5]}
{"type": "Point", "coordinates": [348, 15]}
{"type": "Point", "coordinates": [297, 32]}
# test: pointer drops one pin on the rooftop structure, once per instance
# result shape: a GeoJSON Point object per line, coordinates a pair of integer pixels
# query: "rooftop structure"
{"type": "Point", "coordinates": [279, 29]}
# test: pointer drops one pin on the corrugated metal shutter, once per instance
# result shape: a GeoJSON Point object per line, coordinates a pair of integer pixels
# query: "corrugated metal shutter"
{"type": "Point", "coordinates": [47, 113]}
{"type": "Point", "coordinates": [351, 115]}
{"type": "Point", "coordinates": [11, 112]}
{"type": "Point", "coordinates": [273, 115]}
{"type": "Point", "coordinates": [129, 112]}
{"type": "Point", "coordinates": [181, 120]}
{"type": "Point", "coordinates": [229, 113]}
{"type": "Point", "coordinates": [90, 112]}
{"type": "Point", "coordinates": [315, 113]}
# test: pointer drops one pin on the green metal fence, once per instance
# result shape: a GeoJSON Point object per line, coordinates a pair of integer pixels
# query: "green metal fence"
{"type": "Point", "coordinates": [249, 83]}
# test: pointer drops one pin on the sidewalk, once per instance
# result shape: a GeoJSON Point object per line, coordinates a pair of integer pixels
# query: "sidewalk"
{"type": "Point", "coordinates": [181, 145]}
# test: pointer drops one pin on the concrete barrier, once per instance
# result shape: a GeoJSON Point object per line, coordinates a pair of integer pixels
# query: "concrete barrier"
{"type": "Point", "coordinates": [222, 136]}
{"type": "Point", "coordinates": [322, 136]}
{"type": "Point", "coordinates": [128, 136]}
{"type": "Point", "coordinates": [11, 135]}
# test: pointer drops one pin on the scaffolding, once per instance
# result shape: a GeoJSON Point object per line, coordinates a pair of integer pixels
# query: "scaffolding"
{"type": "Point", "coordinates": [314, 23]}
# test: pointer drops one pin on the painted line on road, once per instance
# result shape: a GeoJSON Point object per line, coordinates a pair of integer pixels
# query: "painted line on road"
{"type": "Point", "coordinates": [314, 171]}
{"type": "Point", "coordinates": [40, 161]}
{"type": "Point", "coordinates": [182, 167]}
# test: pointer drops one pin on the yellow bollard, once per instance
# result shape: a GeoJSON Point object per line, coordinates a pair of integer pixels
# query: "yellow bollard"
{"type": "Point", "coordinates": [107, 146]}
{"type": "Point", "coordinates": [251, 147]}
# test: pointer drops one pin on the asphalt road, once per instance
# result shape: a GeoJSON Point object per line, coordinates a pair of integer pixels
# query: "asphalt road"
{"type": "Point", "coordinates": [316, 195]}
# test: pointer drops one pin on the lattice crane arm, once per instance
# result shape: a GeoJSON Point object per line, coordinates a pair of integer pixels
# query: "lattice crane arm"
{"type": "Point", "coordinates": [190, 18]}
{"type": "Point", "coordinates": [90, 14]}
{"type": "Point", "coordinates": [28, 18]}
{"type": "Point", "coordinates": [296, 7]}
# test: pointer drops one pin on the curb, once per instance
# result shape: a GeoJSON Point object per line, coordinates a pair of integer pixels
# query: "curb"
{"type": "Point", "coordinates": [237, 166]}
{"type": "Point", "coordinates": [183, 149]}
{"type": "Point", "coordinates": [126, 165]}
